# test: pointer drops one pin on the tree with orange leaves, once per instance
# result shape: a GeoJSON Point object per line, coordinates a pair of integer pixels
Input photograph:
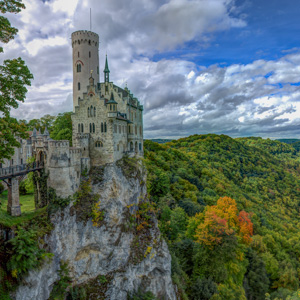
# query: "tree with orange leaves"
{"type": "Point", "coordinates": [222, 220]}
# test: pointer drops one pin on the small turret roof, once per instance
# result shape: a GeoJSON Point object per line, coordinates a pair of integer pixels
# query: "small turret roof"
{"type": "Point", "coordinates": [112, 100]}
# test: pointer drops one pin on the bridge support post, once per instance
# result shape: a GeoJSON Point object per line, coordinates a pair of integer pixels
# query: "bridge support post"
{"type": "Point", "coordinates": [13, 204]}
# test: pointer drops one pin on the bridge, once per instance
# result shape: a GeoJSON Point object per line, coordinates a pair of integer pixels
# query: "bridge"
{"type": "Point", "coordinates": [20, 170]}
{"type": "Point", "coordinates": [11, 176]}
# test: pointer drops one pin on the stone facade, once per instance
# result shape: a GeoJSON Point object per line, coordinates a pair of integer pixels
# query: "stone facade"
{"type": "Point", "coordinates": [111, 116]}
{"type": "Point", "coordinates": [107, 122]}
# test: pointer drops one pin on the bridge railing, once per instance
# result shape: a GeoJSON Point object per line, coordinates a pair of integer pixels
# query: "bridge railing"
{"type": "Point", "coordinates": [23, 168]}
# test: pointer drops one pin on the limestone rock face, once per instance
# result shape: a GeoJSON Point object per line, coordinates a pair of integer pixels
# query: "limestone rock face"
{"type": "Point", "coordinates": [112, 250]}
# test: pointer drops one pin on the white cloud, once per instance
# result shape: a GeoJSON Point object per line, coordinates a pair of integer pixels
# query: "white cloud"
{"type": "Point", "coordinates": [179, 97]}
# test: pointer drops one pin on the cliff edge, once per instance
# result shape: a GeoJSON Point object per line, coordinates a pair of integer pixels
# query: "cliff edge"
{"type": "Point", "coordinates": [106, 242]}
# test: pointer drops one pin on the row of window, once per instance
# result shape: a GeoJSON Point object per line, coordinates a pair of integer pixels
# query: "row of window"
{"type": "Point", "coordinates": [92, 127]}
{"type": "Point", "coordinates": [89, 42]}
{"type": "Point", "coordinates": [131, 129]}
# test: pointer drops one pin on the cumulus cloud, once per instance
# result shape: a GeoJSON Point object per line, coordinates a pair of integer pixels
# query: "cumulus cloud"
{"type": "Point", "coordinates": [179, 97]}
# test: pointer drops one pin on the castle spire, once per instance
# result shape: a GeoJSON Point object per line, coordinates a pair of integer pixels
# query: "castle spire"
{"type": "Point", "coordinates": [106, 71]}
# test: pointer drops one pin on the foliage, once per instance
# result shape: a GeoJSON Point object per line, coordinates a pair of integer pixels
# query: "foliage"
{"type": "Point", "coordinates": [62, 127]}
{"type": "Point", "coordinates": [26, 253]}
{"type": "Point", "coordinates": [14, 76]}
{"type": "Point", "coordinates": [140, 295]}
{"type": "Point", "coordinates": [1, 190]}
{"type": "Point", "coordinates": [249, 244]}
{"type": "Point", "coordinates": [63, 284]}
{"type": "Point", "coordinates": [87, 204]}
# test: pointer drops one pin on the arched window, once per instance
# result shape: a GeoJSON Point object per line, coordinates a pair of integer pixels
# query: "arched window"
{"type": "Point", "coordinates": [102, 127]}
{"type": "Point", "coordinates": [78, 54]}
{"type": "Point", "coordinates": [110, 107]}
{"type": "Point", "coordinates": [140, 146]}
{"type": "Point", "coordinates": [93, 127]}
{"type": "Point", "coordinates": [78, 86]}
{"type": "Point", "coordinates": [105, 128]}
{"type": "Point", "coordinates": [98, 144]}
{"type": "Point", "coordinates": [90, 128]}
{"type": "Point", "coordinates": [89, 42]}
{"type": "Point", "coordinates": [78, 68]}
{"type": "Point", "coordinates": [81, 127]}
{"type": "Point", "coordinates": [135, 129]}
{"type": "Point", "coordinates": [78, 128]}
{"type": "Point", "coordinates": [88, 111]}
{"type": "Point", "coordinates": [94, 111]}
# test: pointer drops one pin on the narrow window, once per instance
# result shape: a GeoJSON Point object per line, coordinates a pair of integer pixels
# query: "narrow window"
{"type": "Point", "coordinates": [21, 161]}
{"type": "Point", "coordinates": [97, 70]}
{"type": "Point", "coordinates": [78, 54]}
{"type": "Point", "coordinates": [90, 128]}
{"type": "Point", "coordinates": [110, 107]}
{"type": "Point", "coordinates": [135, 129]}
{"type": "Point", "coordinates": [81, 127]}
{"type": "Point", "coordinates": [105, 128]}
{"type": "Point", "coordinates": [115, 128]}
{"type": "Point", "coordinates": [89, 42]}
{"type": "Point", "coordinates": [94, 111]}
{"type": "Point", "coordinates": [88, 111]}
{"type": "Point", "coordinates": [78, 86]}
{"type": "Point", "coordinates": [101, 127]}
{"type": "Point", "coordinates": [119, 128]}
{"type": "Point", "coordinates": [93, 127]}
{"type": "Point", "coordinates": [78, 128]}
{"type": "Point", "coordinates": [78, 68]}
{"type": "Point", "coordinates": [89, 53]}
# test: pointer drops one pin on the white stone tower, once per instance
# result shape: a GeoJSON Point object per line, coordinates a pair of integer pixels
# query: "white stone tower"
{"type": "Point", "coordinates": [85, 46]}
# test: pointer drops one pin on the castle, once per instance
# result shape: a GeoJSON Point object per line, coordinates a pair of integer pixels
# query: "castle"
{"type": "Point", "coordinates": [107, 123]}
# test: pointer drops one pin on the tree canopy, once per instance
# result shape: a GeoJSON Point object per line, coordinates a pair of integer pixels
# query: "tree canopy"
{"type": "Point", "coordinates": [14, 77]}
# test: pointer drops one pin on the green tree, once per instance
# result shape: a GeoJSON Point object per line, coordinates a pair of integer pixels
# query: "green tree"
{"type": "Point", "coordinates": [14, 76]}
{"type": "Point", "coordinates": [62, 127]}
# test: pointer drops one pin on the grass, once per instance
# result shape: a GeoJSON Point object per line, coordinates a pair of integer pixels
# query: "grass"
{"type": "Point", "coordinates": [27, 209]}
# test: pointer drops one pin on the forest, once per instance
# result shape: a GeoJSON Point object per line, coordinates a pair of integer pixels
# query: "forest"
{"type": "Point", "coordinates": [228, 209]}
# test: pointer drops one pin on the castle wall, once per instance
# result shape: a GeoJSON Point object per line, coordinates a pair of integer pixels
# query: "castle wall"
{"type": "Point", "coordinates": [64, 168]}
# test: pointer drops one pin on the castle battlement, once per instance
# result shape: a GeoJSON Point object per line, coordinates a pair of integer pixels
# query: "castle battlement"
{"type": "Point", "coordinates": [59, 144]}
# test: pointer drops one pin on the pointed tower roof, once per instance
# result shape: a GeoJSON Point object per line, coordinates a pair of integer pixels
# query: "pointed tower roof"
{"type": "Point", "coordinates": [46, 132]}
{"type": "Point", "coordinates": [106, 69]}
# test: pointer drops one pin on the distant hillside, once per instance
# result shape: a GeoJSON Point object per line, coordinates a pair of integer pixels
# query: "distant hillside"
{"type": "Point", "coordinates": [288, 141]}
{"type": "Point", "coordinates": [161, 141]}
{"type": "Point", "coordinates": [215, 254]}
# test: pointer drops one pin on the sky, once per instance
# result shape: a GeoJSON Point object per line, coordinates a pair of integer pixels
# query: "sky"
{"type": "Point", "coordinates": [198, 66]}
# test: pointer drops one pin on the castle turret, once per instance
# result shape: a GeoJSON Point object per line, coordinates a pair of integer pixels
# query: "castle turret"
{"type": "Point", "coordinates": [85, 46]}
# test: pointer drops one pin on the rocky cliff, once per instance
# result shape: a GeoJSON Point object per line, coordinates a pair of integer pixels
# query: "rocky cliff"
{"type": "Point", "coordinates": [109, 241]}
